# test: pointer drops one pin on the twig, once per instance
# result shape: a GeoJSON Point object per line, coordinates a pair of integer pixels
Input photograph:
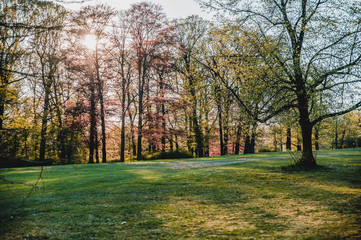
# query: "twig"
{"type": "Point", "coordinates": [15, 182]}
{"type": "Point", "coordinates": [33, 186]}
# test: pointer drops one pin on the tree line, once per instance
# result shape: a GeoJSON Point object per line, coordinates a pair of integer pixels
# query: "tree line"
{"type": "Point", "coordinates": [100, 84]}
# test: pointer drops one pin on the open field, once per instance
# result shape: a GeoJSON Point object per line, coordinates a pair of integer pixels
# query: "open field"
{"type": "Point", "coordinates": [232, 197]}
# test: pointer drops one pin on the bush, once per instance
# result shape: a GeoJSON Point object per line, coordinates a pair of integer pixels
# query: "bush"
{"type": "Point", "coordinates": [169, 155]}
{"type": "Point", "coordinates": [11, 162]}
{"type": "Point", "coordinates": [263, 150]}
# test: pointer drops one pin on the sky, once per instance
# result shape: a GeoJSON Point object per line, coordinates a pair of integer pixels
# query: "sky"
{"type": "Point", "coordinates": [172, 8]}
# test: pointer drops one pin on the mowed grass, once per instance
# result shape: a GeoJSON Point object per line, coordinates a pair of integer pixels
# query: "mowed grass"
{"type": "Point", "coordinates": [232, 197]}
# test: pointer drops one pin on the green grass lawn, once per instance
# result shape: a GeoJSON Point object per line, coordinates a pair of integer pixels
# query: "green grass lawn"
{"type": "Point", "coordinates": [232, 197]}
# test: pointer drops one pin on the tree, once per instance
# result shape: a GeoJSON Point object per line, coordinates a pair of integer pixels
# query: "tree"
{"type": "Point", "coordinates": [121, 53]}
{"type": "Point", "coordinates": [14, 19]}
{"type": "Point", "coordinates": [46, 59]}
{"type": "Point", "coordinates": [147, 26]}
{"type": "Point", "coordinates": [317, 52]}
{"type": "Point", "coordinates": [191, 31]}
{"type": "Point", "coordinates": [92, 21]}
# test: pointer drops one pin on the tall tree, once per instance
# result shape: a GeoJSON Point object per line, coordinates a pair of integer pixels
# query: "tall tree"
{"type": "Point", "coordinates": [121, 53]}
{"type": "Point", "coordinates": [91, 23]}
{"type": "Point", "coordinates": [191, 32]}
{"type": "Point", "coordinates": [15, 26]}
{"type": "Point", "coordinates": [46, 47]}
{"type": "Point", "coordinates": [147, 25]}
{"type": "Point", "coordinates": [318, 52]}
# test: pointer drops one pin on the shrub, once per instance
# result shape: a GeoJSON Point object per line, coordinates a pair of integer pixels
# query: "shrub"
{"type": "Point", "coordinates": [263, 150]}
{"type": "Point", "coordinates": [11, 162]}
{"type": "Point", "coordinates": [169, 155]}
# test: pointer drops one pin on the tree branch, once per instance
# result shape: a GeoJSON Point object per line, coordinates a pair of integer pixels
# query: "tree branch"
{"type": "Point", "coordinates": [354, 107]}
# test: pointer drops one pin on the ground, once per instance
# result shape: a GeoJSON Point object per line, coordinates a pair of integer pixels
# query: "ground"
{"type": "Point", "coordinates": [232, 197]}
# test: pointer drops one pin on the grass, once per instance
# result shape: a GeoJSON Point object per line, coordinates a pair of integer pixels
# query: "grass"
{"type": "Point", "coordinates": [231, 197]}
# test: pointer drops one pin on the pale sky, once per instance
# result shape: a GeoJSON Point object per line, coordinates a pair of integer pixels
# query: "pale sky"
{"type": "Point", "coordinates": [172, 8]}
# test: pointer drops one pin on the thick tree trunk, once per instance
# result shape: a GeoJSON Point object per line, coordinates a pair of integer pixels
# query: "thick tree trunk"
{"type": "Point", "coordinates": [307, 160]}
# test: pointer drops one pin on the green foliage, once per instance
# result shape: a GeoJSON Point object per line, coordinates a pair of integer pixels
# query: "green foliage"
{"type": "Point", "coordinates": [264, 150]}
{"type": "Point", "coordinates": [11, 162]}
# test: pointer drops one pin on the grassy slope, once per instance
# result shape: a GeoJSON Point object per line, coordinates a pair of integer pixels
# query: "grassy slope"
{"type": "Point", "coordinates": [169, 200]}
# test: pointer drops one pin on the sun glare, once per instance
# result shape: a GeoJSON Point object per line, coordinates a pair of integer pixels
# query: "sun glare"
{"type": "Point", "coordinates": [90, 41]}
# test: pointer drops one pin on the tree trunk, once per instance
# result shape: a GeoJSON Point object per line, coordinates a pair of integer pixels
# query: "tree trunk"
{"type": "Point", "coordinates": [247, 144]}
{"type": "Point", "coordinates": [44, 123]}
{"type": "Point", "coordinates": [122, 138]}
{"type": "Point", "coordinates": [102, 109]}
{"type": "Point", "coordinates": [140, 123]}
{"type": "Point", "coordinates": [92, 121]}
{"type": "Point", "coordinates": [206, 141]}
{"type": "Point", "coordinates": [307, 160]}
{"type": "Point", "coordinates": [171, 143]}
{"type": "Point", "coordinates": [194, 117]}
{"type": "Point", "coordinates": [162, 90]}
{"type": "Point", "coordinates": [131, 120]}
{"type": "Point", "coordinates": [299, 148]}
{"type": "Point", "coordinates": [253, 143]}
{"type": "Point", "coordinates": [336, 135]}
{"type": "Point", "coordinates": [96, 146]}
{"type": "Point", "coordinates": [225, 120]}
{"type": "Point", "coordinates": [102, 119]}
{"type": "Point", "coordinates": [288, 140]}
{"type": "Point", "coordinates": [275, 141]}
{"type": "Point", "coordinates": [220, 125]}
{"type": "Point", "coordinates": [238, 139]}
{"type": "Point", "coordinates": [317, 137]}
{"type": "Point", "coordinates": [2, 109]}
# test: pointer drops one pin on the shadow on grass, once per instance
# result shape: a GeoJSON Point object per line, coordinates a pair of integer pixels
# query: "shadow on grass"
{"type": "Point", "coordinates": [252, 198]}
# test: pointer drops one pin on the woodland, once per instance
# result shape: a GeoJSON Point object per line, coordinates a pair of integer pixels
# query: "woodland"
{"type": "Point", "coordinates": [100, 85]}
